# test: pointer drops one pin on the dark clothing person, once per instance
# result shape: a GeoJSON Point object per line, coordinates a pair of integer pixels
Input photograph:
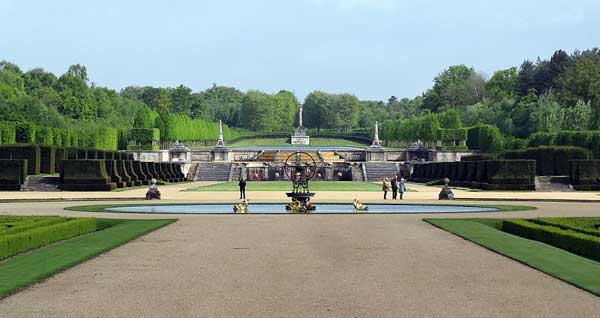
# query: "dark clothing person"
{"type": "Point", "coordinates": [394, 189]}
{"type": "Point", "coordinates": [242, 185]}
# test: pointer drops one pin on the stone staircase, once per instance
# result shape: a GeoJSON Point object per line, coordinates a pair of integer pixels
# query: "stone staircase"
{"type": "Point", "coordinates": [377, 170]}
{"type": "Point", "coordinates": [553, 184]}
{"type": "Point", "coordinates": [41, 183]}
{"type": "Point", "coordinates": [191, 174]}
{"type": "Point", "coordinates": [212, 171]}
{"type": "Point", "coordinates": [357, 173]}
{"type": "Point", "coordinates": [235, 172]}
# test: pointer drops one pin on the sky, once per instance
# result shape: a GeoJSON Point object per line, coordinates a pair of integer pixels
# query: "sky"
{"type": "Point", "coordinates": [372, 49]}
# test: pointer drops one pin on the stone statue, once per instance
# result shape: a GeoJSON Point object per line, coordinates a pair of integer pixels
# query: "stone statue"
{"type": "Point", "coordinates": [446, 193]}
{"type": "Point", "coordinates": [153, 192]}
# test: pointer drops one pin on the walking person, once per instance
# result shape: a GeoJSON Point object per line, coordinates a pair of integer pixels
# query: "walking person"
{"type": "Point", "coordinates": [394, 188]}
{"type": "Point", "coordinates": [386, 187]}
{"type": "Point", "coordinates": [242, 185]}
{"type": "Point", "coordinates": [401, 187]}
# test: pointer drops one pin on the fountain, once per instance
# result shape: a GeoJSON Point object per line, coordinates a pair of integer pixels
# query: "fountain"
{"type": "Point", "coordinates": [300, 168]}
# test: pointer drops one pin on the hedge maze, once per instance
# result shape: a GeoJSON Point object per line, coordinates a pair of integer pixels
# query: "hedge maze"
{"type": "Point", "coordinates": [486, 175]}
{"type": "Point", "coordinates": [19, 234]}
{"type": "Point", "coordinates": [81, 169]}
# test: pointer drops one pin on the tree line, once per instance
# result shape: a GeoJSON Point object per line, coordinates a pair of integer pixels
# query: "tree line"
{"type": "Point", "coordinates": [561, 92]}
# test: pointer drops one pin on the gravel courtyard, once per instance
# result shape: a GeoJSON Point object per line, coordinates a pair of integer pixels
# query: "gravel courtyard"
{"type": "Point", "coordinates": [301, 266]}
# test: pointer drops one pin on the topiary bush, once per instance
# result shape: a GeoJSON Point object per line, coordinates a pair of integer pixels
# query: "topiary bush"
{"type": "Point", "coordinates": [47, 159]}
{"type": "Point", "coordinates": [7, 133]}
{"type": "Point", "coordinates": [12, 174]}
{"type": "Point", "coordinates": [23, 151]}
{"type": "Point", "coordinates": [585, 174]}
{"type": "Point", "coordinates": [85, 175]}
{"type": "Point", "coordinates": [550, 160]}
{"type": "Point", "coordinates": [24, 133]}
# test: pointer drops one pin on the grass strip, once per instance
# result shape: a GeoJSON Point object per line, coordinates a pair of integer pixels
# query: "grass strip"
{"type": "Point", "coordinates": [314, 142]}
{"type": "Point", "coordinates": [579, 271]}
{"type": "Point", "coordinates": [23, 270]}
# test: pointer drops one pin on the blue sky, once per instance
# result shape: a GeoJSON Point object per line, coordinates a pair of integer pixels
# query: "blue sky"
{"type": "Point", "coordinates": [373, 49]}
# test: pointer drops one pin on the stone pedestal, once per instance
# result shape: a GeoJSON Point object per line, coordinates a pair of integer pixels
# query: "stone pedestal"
{"type": "Point", "coordinates": [300, 137]}
{"type": "Point", "coordinates": [300, 140]}
{"type": "Point", "coordinates": [375, 153]}
{"type": "Point", "coordinates": [221, 154]}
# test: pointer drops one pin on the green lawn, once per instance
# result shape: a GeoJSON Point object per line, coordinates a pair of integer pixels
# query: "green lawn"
{"type": "Point", "coordinates": [23, 270]}
{"type": "Point", "coordinates": [284, 142]}
{"type": "Point", "coordinates": [576, 270]}
{"type": "Point", "coordinates": [287, 186]}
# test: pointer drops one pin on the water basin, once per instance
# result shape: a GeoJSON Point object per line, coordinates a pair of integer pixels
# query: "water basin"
{"type": "Point", "coordinates": [321, 209]}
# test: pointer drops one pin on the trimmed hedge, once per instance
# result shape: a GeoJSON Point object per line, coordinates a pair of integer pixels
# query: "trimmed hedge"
{"type": "Point", "coordinates": [30, 152]}
{"type": "Point", "coordinates": [139, 139]}
{"type": "Point", "coordinates": [585, 174]}
{"type": "Point", "coordinates": [12, 174]}
{"type": "Point", "coordinates": [574, 242]}
{"type": "Point", "coordinates": [47, 159]}
{"type": "Point", "coordinates": [85, 175]}
{"type": "Point", "coordinates": [551, 160]}
{"type": "Point", "coordinates": [139, 171]}
{"type": "Point", "coordinates": [478, 157]}
{"type": "Point", "coordinates": [488, 175]}
{"type": "Point", "coordinates": [589, 140]}
{"type": "Point", "coordinates": [454, 134]}
{"type": "Point", "coordinates": [113, 173]}
{"type": "Point", "coordinates": [13, 244]}
{"type": "Point", "coordinates": [24, 133]}
{"type": "Point", "coordinates": [128, 165]}
{"type": "Point", "coordinates": [7, 133]}
{"type": "Point", "coordinates": [486, 138]}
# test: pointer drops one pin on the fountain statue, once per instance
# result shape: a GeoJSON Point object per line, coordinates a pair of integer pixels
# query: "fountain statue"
{"type": "Point", "coordinates": [300, 168]}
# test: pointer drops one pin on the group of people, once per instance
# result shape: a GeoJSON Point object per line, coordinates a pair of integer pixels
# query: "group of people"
{"type": "Point", "coordinates": [397, 185]}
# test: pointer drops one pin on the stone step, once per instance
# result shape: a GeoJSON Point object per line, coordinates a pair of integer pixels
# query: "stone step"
{"type": "Point", "coordinates": [42, 183]}
{"type": "Point", "coordinates": [553, 184]}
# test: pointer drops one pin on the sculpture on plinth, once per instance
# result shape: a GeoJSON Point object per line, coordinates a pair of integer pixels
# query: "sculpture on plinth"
{"type": "Point", "coordinates": [446, 193]}
{"type": "Point", "coordinates": [153, 193]}
{"type": "Point", "coordinates": [300, 137]}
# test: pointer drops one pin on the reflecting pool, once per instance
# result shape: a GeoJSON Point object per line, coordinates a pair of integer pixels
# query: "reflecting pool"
{"type": "Point", "coordinates": [321, 209]}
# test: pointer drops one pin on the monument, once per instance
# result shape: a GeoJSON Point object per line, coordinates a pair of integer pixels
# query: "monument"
{"type": "Point", "coordinates": [300, 137]}
{"type": "Point", "coordinates": [375, 151]}
{"type": "Point", "coordinates": [220, 152]}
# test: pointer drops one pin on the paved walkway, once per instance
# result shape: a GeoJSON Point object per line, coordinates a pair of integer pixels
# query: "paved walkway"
{"type": "Point", "coordinates": [300, 266]}
{"type": "Point", "coordinates": [175, 192]}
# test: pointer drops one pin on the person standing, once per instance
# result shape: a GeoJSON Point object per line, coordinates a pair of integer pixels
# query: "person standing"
{"type": "Point", "coordinates": [242, 185]}
{"type": "Point", "coordinates": [401, 187]}
{"type": "Point", "coordinates": [386, 187]}
{"type": "Point", "coordinates": [394, 188]}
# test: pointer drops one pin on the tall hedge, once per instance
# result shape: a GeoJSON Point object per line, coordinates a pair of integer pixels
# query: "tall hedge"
{"type": "Point", "coordinates": [7, 133]}
{"type": "Point", "coordinates": [139, 139]}
{"type": "Point", "coordinates": [550, 160]}
{"type": "Point", "coordinates": [486, 138]}
{"type": "Point", "coordinates": [23, 151]}
{"type": "Point", "coordinates": [584, 139]}
{"type": "Point", "coordinates": [24, 133]}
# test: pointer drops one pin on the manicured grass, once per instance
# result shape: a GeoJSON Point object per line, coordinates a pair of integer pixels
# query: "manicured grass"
{"type": "Point", "coordinates": [284, 142]}
{"type": "Point", "coordinates": [286, 186]}
{"type": "Point", "coordinates": [23, 270]}
{"type": "Point", "coordinates": [576, 270]}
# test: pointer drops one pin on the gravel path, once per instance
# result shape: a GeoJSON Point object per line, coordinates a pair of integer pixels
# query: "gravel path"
{"type": "Point", "coordinates": [301, 266]}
